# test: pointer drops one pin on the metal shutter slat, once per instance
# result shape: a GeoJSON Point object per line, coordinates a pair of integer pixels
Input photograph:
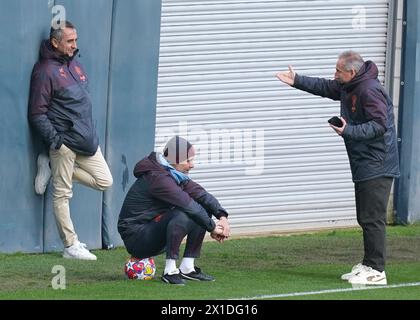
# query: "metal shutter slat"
{"type": "Point", "coordinates": [217, 87]}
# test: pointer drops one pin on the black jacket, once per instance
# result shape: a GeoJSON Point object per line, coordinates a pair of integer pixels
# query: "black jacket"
{"type": "Point", "coordinates": [370, 135]}
{"type": "Point", "coordinates": [155, 192]}
{"type": "Point", "coordinates": [60, 109]}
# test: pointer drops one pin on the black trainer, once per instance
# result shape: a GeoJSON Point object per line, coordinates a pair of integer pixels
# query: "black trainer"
{"type": "Point", "coordinates": [173, 279]}
{"type": "Point", "coordinates": [197, 275]}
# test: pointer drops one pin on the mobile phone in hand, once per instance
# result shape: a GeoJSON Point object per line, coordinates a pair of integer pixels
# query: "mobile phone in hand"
{"type": "Point", "coordinates": [336, 121]}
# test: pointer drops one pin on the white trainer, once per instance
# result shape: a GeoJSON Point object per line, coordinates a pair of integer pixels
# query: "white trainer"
{"type": "Point", "coordinates": [369, 276]}
{"type": "Point", "coordinates": [354, 271]}
{"type": "Point", "coordinates": [43, 175]}
{"type": "Point", "coordinates": [78, 251]}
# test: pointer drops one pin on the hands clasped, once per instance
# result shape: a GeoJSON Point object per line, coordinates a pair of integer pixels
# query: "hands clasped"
{"type": "Point", "coordinates": [222, 230]}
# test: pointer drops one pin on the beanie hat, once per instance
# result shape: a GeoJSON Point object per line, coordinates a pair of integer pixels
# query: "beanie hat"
{"type": "Point", "coordinates": [178, 150]}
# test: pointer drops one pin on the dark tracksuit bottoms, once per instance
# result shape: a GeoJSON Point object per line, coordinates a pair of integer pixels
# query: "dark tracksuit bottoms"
{"type": "Point", "coordinates": [165, 233]}
{"type": "Point", "coordinates": [371, 208]}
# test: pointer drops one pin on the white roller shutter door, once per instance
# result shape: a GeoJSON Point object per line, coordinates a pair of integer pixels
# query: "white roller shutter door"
{"type": "Point", "coordinates": [265, 149]}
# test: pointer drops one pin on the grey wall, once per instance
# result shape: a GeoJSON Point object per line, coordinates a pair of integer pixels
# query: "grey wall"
{"type": "Point", "coordinates": [408, 186]}
{"type": "Point", "coordinates": [22, 25]}
{"type": "Point", "coordinates": [119, 47]}
{"type": "Point", "coordinates": [132, 99]}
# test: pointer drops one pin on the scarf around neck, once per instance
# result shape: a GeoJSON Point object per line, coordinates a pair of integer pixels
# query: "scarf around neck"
{"type": "Point", "coordinates": [177, 175]}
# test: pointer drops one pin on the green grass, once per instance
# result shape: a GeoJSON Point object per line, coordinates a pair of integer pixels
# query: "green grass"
{"type": "Point", "coordinates": [245, 267]}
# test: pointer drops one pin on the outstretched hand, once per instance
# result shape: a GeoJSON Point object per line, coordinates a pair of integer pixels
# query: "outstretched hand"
{"type": "Point", "coordinates": [287, 77]}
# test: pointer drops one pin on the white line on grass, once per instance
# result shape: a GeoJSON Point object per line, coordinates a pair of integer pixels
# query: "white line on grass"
{"type": "Point", "coordinates": [294, 294]}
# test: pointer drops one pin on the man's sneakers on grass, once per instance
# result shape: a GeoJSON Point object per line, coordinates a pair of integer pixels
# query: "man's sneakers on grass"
{"type": "Point", "coordinates": [43, 174]}
{"type": "Point", "coordinates": [354, 271]}
{"type": "Point", "coordinates": [369, 276]}
{"type": "Point", "coordinates": [361, 274]}
{"type": "Point", "coordinates": [197, 275]}
{"type": "Point", "coordinates": [179, 277]}
{"type": "Point", "coordinates": [174, 278]}
{"type": "Point", "coordinates": [78, 251]}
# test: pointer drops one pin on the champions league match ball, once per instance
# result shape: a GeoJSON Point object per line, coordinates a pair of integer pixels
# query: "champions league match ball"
{"type": "Point", "coordinates": [140, 269]}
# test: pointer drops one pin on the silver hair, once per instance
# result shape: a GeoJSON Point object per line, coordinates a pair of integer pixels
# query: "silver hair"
{"type": "Point", "coordinates": [352, 60]}
{"type": "Point", "coordinates": [57, 33]}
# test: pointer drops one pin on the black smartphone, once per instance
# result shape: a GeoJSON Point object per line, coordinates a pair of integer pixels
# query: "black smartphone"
{"type": "Point", "coordinates": [336, 121]}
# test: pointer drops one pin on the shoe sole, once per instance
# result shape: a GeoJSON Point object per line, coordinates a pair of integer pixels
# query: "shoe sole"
{"type": "Point", "coordinates": [194, 279]}
{"type": "Point", "coordinates": [382, 282]}
{"type": "Point", "coordinates": [189, 278]}
{"type": "Point", "coordinates": [168, 282]}
{"type": "Point", "coordinates": [77, 258]}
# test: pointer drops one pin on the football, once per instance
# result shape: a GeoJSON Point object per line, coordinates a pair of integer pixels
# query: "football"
{"type": "Point", "coordinates": [140, 269]}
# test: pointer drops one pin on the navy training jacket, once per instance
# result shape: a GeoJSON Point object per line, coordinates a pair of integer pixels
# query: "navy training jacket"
{"type": "Point", "coordinates": [155, 192]}
{"type": "Point", "coordinates": [370, 135]}
{"type": "Point", "coordinates": [60, 108]}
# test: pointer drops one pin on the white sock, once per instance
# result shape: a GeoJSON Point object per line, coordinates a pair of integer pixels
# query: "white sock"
{"type": "Point", "coordinates": [187, 265]}
{"type": "Point", "coordinates": [170, 267]}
